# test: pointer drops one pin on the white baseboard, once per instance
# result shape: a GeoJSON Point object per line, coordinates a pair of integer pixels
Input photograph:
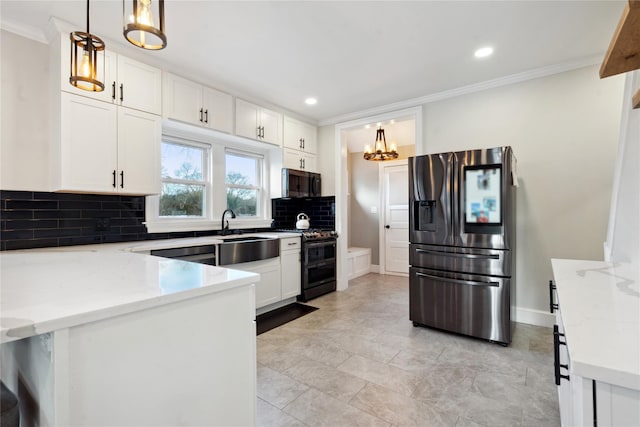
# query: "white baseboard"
{"type": "Point", "coordinates": [534, 317]}
{"type": "Point", "coordinates": [375, 268]}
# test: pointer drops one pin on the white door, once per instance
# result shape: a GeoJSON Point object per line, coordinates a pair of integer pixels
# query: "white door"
{"type": "Point", "coordinates": [395, 204]}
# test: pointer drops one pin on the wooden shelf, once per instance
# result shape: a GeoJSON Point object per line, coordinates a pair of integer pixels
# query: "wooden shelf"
{"type": "Point", "coordinates": [624, 51]}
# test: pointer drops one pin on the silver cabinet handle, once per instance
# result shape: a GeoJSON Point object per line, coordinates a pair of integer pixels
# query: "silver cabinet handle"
{"type": "Point", "coordinates": [458, 281]}
{"type": "Point", "coordinates": [457, 255]}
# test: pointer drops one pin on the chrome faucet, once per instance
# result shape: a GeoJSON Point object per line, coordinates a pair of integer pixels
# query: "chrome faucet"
{"type": "Point", "coordinates": [225, 224]}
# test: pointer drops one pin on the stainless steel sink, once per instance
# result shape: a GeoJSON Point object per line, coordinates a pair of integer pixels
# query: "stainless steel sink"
{"type": "Point", "coordinates": [245, 239]}
{"type": "Point", "coordinates": [245, 249]}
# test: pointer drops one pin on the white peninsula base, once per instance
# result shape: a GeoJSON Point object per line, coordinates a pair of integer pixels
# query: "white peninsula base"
{"type": "Point", "coordinates": [187, 362]}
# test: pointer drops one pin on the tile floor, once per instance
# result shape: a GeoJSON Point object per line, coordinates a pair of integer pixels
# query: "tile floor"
{"type": "Point", "coordinates": [358, 360]}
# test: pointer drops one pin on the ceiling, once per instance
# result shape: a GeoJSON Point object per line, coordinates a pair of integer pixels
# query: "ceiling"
{"type": "Point", "coordinates": [352, 56]}
{"type": "Point", "coordinates": [402, 132]}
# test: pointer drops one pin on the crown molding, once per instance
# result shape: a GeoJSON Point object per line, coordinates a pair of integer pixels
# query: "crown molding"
{"type": "Point", "coordinates": [26, 31]}
{"type": "Point", "coordinates": [465, 90]}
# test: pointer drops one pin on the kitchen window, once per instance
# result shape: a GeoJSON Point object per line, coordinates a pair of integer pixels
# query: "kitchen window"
{"type": "Point", "coordinates": [202, 174]}
{"type": "Point", "coordinates": [184, 180]}
{"type": "Point", "coordinates": [243, 180]}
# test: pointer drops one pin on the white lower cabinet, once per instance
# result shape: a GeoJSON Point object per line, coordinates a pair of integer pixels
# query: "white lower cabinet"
{"type": "Point", "coordinates": [614, 405]}
{"type": "Point", "coordinates": [268, 289]}
{"type": "Point", "coordinates": [290, 263]}
{"type": "Point", "coordinates": [189, 362]}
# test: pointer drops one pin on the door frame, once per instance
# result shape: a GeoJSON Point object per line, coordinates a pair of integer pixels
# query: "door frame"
{"type": "Point", "coordinates": [382, 251]}
{"type": "Point", "coordinates": [340, 158]}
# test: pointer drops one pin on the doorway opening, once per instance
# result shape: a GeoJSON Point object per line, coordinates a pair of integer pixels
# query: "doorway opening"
{"type": "Point", "coordinates": [359, 206]}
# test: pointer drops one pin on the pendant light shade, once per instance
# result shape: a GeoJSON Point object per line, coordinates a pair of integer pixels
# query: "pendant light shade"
{"type": "Point", "coordinates": [143, 22]}
{"type": "Point", "coordinates": [87, 56]}
{"type": "Point", "coordinates": [380, 151]}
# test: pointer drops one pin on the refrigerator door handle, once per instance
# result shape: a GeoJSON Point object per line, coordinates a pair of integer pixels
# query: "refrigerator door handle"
{"type": "Point", "coordinates": [459, 281]}
{"type": "Point", "coordinates": [458, 255]}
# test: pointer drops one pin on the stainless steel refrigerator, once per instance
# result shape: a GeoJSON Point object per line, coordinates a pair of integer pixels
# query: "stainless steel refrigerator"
{"type": "Point", "coordinates": [462, 242]}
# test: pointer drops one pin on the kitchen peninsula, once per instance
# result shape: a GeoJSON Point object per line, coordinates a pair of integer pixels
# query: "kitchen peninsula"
{"type": "Point", "coordinates": [114, 338]}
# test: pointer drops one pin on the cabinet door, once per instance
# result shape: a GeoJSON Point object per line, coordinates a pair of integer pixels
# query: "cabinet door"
{"type": "Point", "coordinates": [106, 74]}
{"type": "Point", "coordinates": [309, 138]}
{"type": "Point", "coordinates": [246, 119]}
{"type": "Point", "coordinates": [268, 288]}
{"type": "Point", "coordinates": [292, 133]}
{"type": "Point", "coordinates": [291, 159]}
{"type": "Point", "coordinates": [309, 163]}
{"type": "Point", "coordinates": [88, 153]}
{"type": "Point", "coordinates": [139, 138]}
{"type": "Point", "coordinates": [182, 100]}
{"type": "Point", "coordinates": [290, 263]}
{"type": "Point", "coordinates": [271, 123]}
{"type": "Point", "coordinates": [139, 86]}
{"type": "Point", "coordinates": [218, 109]}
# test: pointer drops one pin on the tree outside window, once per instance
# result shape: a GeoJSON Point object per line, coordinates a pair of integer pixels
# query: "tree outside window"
{"type": "Point", "coordinates": [183, 180]}
{"type": "Point", "coordinates": [243, 182]}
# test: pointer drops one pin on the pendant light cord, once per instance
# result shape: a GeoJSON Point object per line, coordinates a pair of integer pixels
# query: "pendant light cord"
{"type": "Point", "coordinates": [88, 17]}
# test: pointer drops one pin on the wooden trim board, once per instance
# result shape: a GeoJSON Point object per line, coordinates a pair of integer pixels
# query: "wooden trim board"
{"type": "Point", "coordinates": [635, 101]}
{"type": "Point", "coordinates": [624, 51]}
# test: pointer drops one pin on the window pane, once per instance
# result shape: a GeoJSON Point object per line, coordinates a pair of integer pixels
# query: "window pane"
{"type": "Point", "coordinates": [182, 162]}
{"type": "Point", "coordinates": [181, 200]}
{"type": "Point", "coordinates": [241, 170]}
{"type": "Point", "coordinates": [242, 201]}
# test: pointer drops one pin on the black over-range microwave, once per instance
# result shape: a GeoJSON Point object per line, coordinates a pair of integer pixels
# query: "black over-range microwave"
{"type": "Point", "coordinates": [297, 183]}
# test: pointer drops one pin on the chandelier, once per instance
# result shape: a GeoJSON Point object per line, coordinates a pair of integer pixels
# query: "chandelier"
{"type": "Point", "coordinates": [380, 152]}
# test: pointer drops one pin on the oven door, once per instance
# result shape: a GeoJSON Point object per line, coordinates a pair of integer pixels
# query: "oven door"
{"type": "Point", "coordinates": [319, 251]}
{"type": "Point", "coordinates": [319, 274]}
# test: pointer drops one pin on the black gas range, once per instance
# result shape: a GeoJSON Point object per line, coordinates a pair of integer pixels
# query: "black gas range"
{"type": "Point", "coordinates": [318, 262]}
{"type": "Point", "coordinates": [313, 234]}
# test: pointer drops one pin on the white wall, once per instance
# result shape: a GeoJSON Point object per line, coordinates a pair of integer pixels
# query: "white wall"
{"type": "Point", "coordinates": [326, 159]}
{"type": "Point", "coordinates": [623, 241]}
{"type": "Point", "coordinates": [25, 116]}
{"type": "Point", "coordinates": [564, 132]}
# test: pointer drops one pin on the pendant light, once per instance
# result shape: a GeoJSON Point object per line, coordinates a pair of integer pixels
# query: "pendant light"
{"type": "Point", "coordinates": [380, 151]}
{"type": "Point", "coordinates": [139, 21]}
{"type": "Point", "coordinates": [86, 52]}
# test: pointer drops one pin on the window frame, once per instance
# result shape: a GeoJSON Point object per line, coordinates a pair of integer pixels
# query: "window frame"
{"type": "Point", "coordinates": [260, 187]}
{"type": "Point", "coordinates": [215, 194]}
{"type": "Point", "coordinates": [205, 181]}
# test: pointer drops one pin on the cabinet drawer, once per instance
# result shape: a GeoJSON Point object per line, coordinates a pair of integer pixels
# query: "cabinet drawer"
{"type": "Point", "coordinates": [290, 243]}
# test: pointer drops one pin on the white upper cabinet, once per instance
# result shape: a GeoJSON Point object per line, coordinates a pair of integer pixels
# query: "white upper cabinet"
{"type": "Point", "coordinates": [190, 102]}
{"type": "Point", "coordinates": [138, 86]}
{"type": "Point", "coordinates": [300, 136]}
{"type": "Point", "coordinates": [255, 122]}
{"type": "Point", "coordinates": [294, 159]}
{"type": "Point", "coordinates": [127, 82]}
{"type": "Point", "coordinates": [104, 148]}
{"type": "Point", "coordinates": [86, 156]}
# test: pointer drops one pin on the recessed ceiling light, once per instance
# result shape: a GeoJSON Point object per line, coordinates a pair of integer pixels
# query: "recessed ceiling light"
{"type": "Point", "coordinates": [311, 101]}
{"type": "Point", "coordinates": [483, 52]}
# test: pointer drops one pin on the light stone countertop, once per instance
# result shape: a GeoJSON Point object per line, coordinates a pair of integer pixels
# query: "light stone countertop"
{"type": "Point", "coordinates": [145, 246]}
{"type": "Point", "coordinates": [600, 307]}
{"type": "Point", "coordinates": [46, 291]}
